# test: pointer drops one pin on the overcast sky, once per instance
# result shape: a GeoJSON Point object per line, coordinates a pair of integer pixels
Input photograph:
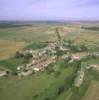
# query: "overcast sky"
{"type": "Point", "coordinates": [49, 9]}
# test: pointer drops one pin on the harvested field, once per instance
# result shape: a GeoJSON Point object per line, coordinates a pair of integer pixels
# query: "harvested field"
{"type": "Point", "coordinates": [87, 37]}
{"type": "Point", "coordinates": [8, 48]}
{"type": "Point", "coordinates": [92, 92]}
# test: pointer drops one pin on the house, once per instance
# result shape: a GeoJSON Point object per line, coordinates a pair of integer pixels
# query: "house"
{"type": "Point", "coordinates": [63, 48]}
{"type": "Point", "coordinates": [79, 79]}
{"type": "Point", "coordinates": [65, 56]}
{"type": "Point", "coordinates": [52, 46]}
{"type": "Point", "coordinates": [20, 67]}
{"type": "Point", "coordinates": [36, 69]}
{"type": "Point", "coordinates": [25, 73]}
{"type": "Point", "coordinates": [71, 60]}
{"type": "Point", "coordinates": [76, 56]}
{"type": "Point", "coordinates": [3, 73]}
{"type": "Point", "coordinates": [95, 66]}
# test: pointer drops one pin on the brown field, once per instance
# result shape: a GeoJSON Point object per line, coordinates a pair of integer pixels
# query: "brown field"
{"type": "Point", "coordinates": [8, 48]}
{"type": "Point", "coordinates": [87, 37]}
{"type": "Point", "coordinates": [92, 92]}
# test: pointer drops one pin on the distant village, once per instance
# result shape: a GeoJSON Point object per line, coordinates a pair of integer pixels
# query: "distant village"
{"type": "Point", "coordinates": [44, 57]}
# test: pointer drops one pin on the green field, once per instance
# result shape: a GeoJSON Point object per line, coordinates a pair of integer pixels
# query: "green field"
{"type": "Point", "coordinates": [36, 87]}
{"type": "Point", "coordinates": [11, 63]}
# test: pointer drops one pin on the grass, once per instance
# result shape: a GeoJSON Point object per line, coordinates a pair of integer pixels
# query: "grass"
{"type": "Point", "coordinates": [87, 37]}
{"type": "Point", "coordinates": [12, 88]}
{"type": "Point", "coordinates": [27, 34]}
{"type": "Point", "coordinates": [74, 93]}
{"type": "Point", "coordinates": [42, 85]}
{"type": "Point", "coordinates": [93, 61]}
{"type": "Point", "coordinates": [52, 91]}
{"type": "Point", "coordinates": [91, 28]}
{"type": "Point", "coordinates": [65, 80]}
{"type": "Point", "coordinates": [11, 63]}
{"type": "Point", "coordinates": [36, 45]}
{"type": "Point", "coordinates": [39, 86]}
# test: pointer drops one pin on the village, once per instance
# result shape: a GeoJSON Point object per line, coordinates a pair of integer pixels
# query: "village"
{"type": "Point", "coordinates": [44, 57]}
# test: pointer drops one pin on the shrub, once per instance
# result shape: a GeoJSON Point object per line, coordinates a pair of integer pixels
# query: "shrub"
{"type": "Point", "coordinates": [18, 55]}
{"type": "Point", "coordinates": [60, 90]}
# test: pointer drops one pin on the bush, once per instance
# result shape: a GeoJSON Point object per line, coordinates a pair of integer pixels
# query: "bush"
{"type": "Point", "coordinates": [18, 55]}
{"type": "Point", "coordinates": [59, 52]}
{"type": "Point", "coordinates": [27, 57]}
{"type": "Point", "coordinates": [57, 74]}
{"type": "Point", "coordinates": [35, 96]}
{"type": "Point", "coordinates": [60, 90]}
{"type": "Point", "coordinates": [83, 47]}
{"type": "Point", "coordinates": [47, 99]}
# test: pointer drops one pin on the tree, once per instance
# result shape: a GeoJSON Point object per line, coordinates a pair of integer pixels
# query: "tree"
{"type": "Point", "coordinates": [47, 99]}
{"type": "Point", "coordinates": [60, 90]}
{"type": "Point", "coordinates": [59, 52]}
{"type": "Point", "coordinates": [19, 55]}
{"type": "Point", "coordinates": [36, 96]}
{"type": "Point", "coordinates": [27, 57]}
{"type": "Point", "coordinates": [83, 47]}
{"type": "Point", "coordinates": [57, 73]}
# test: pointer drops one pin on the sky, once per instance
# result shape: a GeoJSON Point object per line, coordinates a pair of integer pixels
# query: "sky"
{"type": "Point", "coordinates": [49, 9]}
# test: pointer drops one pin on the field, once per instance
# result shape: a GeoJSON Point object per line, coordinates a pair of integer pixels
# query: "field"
{"type": "Point", "coordinates": [92, 92]}
{"type": "Point", "coordinates": [12, 88]}
{"type": "Point", "coordinates": [45, 85]}
{"type": "Point", "coordinates": [9, 48]}
{"type": "Point", "coordinates": [34, 33]}
{"type": "Point", "coordinates": [33, 87]}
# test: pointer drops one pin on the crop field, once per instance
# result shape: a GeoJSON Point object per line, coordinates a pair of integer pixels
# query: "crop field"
{"type": "Point", "coordinates": [47, 32]}
{"type": "Point", "coordinates": [27, 33]}
{"type": "Point", "coordinates": [9, 48]}
{"type": "Point", "coordinates": [92, 92]}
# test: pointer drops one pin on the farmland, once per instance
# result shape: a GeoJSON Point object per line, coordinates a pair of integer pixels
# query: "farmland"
{"type": "Point", "coordinates": [56, 82]}
{"type": "Point", "coordinates": [92, 92]}
{"type": "Point", "coordinates": [8, 48]}
{"type": "Point", "coordinates": [33, 87]}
